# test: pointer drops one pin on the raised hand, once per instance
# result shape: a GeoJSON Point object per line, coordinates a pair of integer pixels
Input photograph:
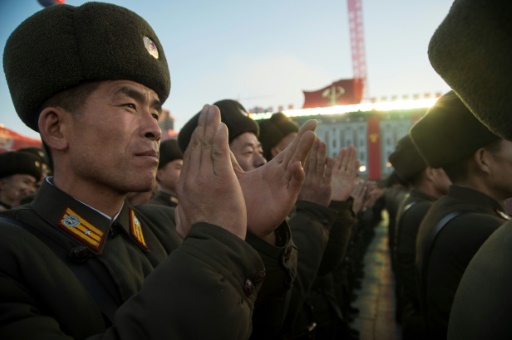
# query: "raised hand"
{"type": "Point", "coordinates": [271, 190]}
{"type": "Point", "coordinates": [318, 171]}
{"type": "Point", "coordinates": [344, 176]}
{"type": "Point", "coordinates": [359, 195]}
{"type": "Point", "coordinates": [208, 188]}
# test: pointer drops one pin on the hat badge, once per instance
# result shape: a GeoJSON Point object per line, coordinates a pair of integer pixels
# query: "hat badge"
{"type": "Point", "coordinates": [151, 47]}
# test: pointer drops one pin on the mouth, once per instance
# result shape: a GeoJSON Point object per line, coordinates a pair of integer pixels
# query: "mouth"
{"type": "Point", "coordinates": [149, 153]}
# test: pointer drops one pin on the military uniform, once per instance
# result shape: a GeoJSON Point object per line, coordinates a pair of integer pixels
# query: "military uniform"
{"type": "Point", "coordinates": [321, 235]}
{"type": "Point", "coordinates": [453, 248]}
{"type": "Point", "coordinates": [164, 198]}
{"type": "Point", "coordinates": [41, 296]}
{"type": "Point", "coordinates": [410, 214]}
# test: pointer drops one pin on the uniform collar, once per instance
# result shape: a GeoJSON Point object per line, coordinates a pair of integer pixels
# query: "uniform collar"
{"type": "Point", "coordinates": [84, 224]}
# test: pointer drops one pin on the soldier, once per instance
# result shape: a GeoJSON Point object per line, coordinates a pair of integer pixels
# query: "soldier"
{"type": "Point", "coordinates": [41, 157]}
{"type": "Point", "coordinates": [276, 133]}
{"type": "Point", "coordinates": [79, 261]}
{"type": "Point", "coordinates": [321, 226]}
{"type": "Point", "coordinates": [427, 185]}
{"type": "Point", "coordinates": [274, 245]}
{"type": "Point", "coordinates": [169, 169]}
{"type": "Point", "coordinates": [470, 50]}
{"type": "Point", "coordinates": [457, 224]}
{"type": "Point", "coordinates": [19, 173]}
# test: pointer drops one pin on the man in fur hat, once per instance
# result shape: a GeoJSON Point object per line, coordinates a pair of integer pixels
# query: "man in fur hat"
{"type": "Point", "coordinates": [471, 50]}
{"type": "Point", "coordinates": [79, 261]}
{"type": "Point", "coordinates": [19, 175]}
{"type": "Point", "coordinates": [475, 160]}
{"type": "Point", "coordinates": [426, 185]}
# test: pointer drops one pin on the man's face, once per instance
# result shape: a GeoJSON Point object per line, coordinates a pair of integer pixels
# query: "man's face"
{"type": "Point", "coordinates": [113, 139]}
{"type": "Point", "coordinates": [14, 188]}
{"type": "Point", "coordinates": [169, 174]}
{"type": "Point", "coordinates": [283, 144]}
{"type": "Point", "coordinates": [442, 182]}
{"type": "Point", "coordinates": [501, 170]}
{"type": "Point", "coordinates": [248, 152]}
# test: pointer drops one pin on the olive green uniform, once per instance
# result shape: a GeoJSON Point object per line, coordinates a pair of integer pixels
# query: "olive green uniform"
{"type": "Point", "coordinates": [128, 264]}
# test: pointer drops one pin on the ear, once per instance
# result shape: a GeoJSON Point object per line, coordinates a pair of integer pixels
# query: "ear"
{"type": "Point", "coordinates": [275, 151]}
{"type": "Point", "coordinates": [53, 125]}
{"type": "Point", "coordinates": [483, 160]}
{"type": "Point", "coordinates": [159, 173]}
{"type": "Point", "coordinates": [430, 174]}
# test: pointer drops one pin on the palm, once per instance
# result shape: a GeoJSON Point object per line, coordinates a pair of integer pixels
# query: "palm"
{"type": "Point", "coordinates": [271, 190]}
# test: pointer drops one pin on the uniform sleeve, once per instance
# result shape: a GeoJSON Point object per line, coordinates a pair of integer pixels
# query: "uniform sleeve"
{"type": "Point", "coordinates": [205, 290]}
{"type": "Point", "coordinates": [339, 236]}
{"type": "Point", "coordinates": [310, 232]}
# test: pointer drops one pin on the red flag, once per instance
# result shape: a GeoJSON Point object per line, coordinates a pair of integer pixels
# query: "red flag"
{"type": "Point", "coordinates": [10, 140]}
{"type": "Point", "coordinates": [341, 92]}
{"type": "Point", "coordinates": [373, 131]}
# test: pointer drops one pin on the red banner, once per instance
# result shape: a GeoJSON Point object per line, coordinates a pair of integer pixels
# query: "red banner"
{"type": "Point", "coordinates": [373, 129]}
{"type": "Point", "coordinates": [341, 92]}
{"type": "Point", "coordinates": [10, 140]}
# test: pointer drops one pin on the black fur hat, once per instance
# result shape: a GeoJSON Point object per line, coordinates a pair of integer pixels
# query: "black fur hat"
{"type": "Point", "coordinates": [15, 162]}
{"type": "Point", "coordinates": [472, 51]}
{"type": "Point", "coordinates": [63, 46]}
{"type": "Point", "coordinates": [169, 151]}
{"type": "Point", "coordinates": [406, 159]}
{"type": "Point", "coordinates": [232, 113]}
{"type": "Point", "coordinates": [448, 132]}
{"type": "Point", "coordinates": [273, 130]}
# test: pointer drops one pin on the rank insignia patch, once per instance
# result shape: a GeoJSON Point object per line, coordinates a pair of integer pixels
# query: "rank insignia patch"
{"type": "Point", "coordinates": [136, 230]}
{"type": "Point", "coordinates": [82, 230]}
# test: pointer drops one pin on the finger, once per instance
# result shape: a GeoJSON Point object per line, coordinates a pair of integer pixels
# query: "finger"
{"type": "Point", "coordinates": [311, 162]}
{"type": "Point", "coordinates": [300, 152]}
{"type": "Point", "coordinates": [296, 178]}
{"type": "Point", "coordinates": [221, 154]}
{"type": "Point", "coordinates": [290, 151]}
{"type": "Point", "coordinates": [340, 159]}
{"type": "Point", "coordinates": [320, 159]}
{"type": "Point", "coordinates": [238, 169]}
{"type": "Point", "coordinates": [351, 159]}
{"type": "Point", "coordinates": [210, 121]}
{"type": "Point", "coordinates": [329, 164]}
{"type": "Point", "coordinates": [191, 157]}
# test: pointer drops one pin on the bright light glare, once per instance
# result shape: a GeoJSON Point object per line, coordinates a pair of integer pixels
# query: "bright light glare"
{"type": "Point", "coordinates": [342, 109]}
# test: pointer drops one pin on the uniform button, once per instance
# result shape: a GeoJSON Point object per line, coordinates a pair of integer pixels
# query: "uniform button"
{"type": "Point", "coordinates": [79, 254]}
{"type": "Point", "coordinates": [260, 276]}
{"type": "Point", "coordinates": [248, 287]}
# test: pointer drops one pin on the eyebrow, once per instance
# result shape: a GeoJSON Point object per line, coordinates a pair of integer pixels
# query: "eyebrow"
{"type": "Point", "coordinates": [138, 96]}
{"type": "Point", "coordinates": [251, 145]}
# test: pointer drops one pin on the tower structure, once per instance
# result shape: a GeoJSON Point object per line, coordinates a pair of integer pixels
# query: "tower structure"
{"type": "Point", "coordinates": [355, 19]}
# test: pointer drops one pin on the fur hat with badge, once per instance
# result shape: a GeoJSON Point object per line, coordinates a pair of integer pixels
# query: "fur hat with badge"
{"type": "Point", "coordinates": [406, 159]}
{"type": "Point", "coordinates": [232, 113]}
{"type": "Point", "coordinates": [449, 133]}
{"type": "Point", "coordinates": [472, 51]}
{"type": "Point", "coordinates": [169, 151]}
{"type": "Point", "coordinates": [20, 163]}
{"type": "Point", "coordinates": [273, 130]}
{"type": "Point", "coordinates": [98, 41]}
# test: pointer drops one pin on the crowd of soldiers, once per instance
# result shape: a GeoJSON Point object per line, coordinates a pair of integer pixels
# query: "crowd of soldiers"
{"type": "Point", "coordinates": [239, 228]}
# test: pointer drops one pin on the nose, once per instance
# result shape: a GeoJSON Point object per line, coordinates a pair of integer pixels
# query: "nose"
{"type": "Point", "coordinates": [151, 129]}
{"type": "Point", "coordinates": [259, 160]}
